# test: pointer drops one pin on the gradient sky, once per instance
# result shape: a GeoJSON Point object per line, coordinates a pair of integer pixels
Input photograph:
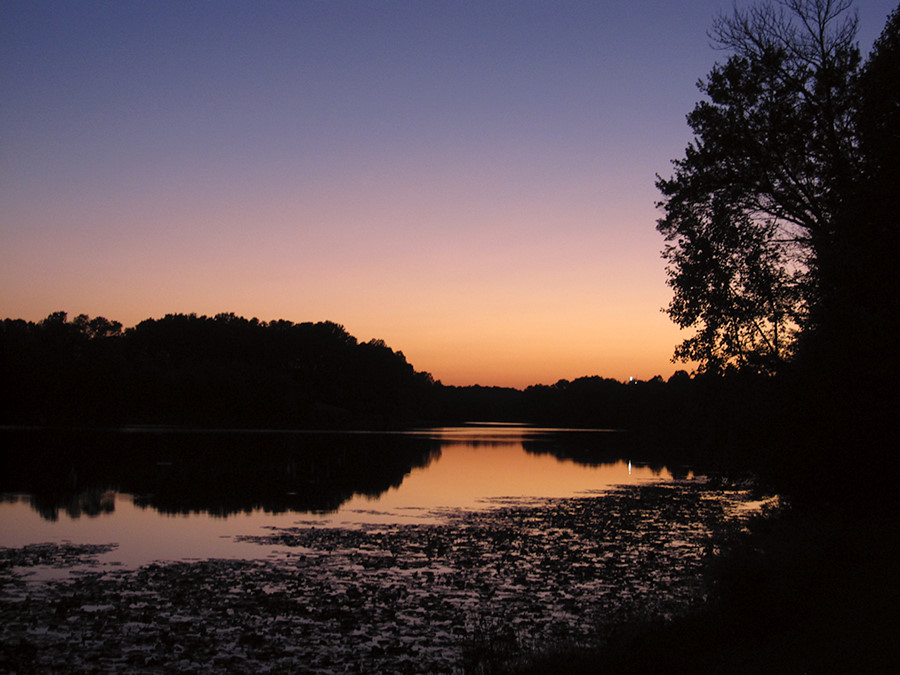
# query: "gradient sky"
{"type": "Point", "coordinates": [472, 182]}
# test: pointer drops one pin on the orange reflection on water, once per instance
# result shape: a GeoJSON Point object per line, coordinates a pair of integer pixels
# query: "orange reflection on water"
{"type": "Point", "coordinates": [473, 466]}
{"type": "Point", "coordinates": [478, 464]}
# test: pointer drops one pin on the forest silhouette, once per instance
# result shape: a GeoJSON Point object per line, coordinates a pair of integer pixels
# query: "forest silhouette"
{"type": "Point", "coordinates": [228, 372]}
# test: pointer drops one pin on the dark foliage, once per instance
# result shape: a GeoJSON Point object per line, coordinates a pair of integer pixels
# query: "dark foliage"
{"type": "Point", "coordinates": [477, 403]}
{"type": "Point", "coordinates": [222, 371]}
{"type": "Point", "coordinates": [751, 213]}
{"type": "Point", "coordinates": [810, 591]}
{"type": "Point", "coordinates": [781, 223]}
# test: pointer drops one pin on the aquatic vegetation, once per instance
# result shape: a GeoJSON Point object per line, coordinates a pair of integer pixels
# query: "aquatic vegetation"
{"type": "Point", "coordinates": [56, 555]}
{"type": "Point", "coordinates": [475, 588]}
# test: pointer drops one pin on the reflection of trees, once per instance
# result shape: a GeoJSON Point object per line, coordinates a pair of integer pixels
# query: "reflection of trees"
{"type": "Point", "coordinates": [592, 449]}
{"type": "Point", "coordinates": [91, 502]}
{"type": "Point", "coordinates": [216, 473]}
{"type": "Point", "coordinates": [478, 444]}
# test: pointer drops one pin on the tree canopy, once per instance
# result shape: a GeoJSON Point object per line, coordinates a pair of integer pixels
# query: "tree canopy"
{"type": "Point", "coordinates": [222, 371]}
{"type": "Point", "coordinates": [753, 209]}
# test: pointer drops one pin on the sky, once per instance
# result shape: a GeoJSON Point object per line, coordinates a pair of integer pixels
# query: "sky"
{"type": "Point", "coordinates": [471, 182]}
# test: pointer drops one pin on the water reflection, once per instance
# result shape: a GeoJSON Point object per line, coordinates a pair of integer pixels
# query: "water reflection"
{"type": "Point", "coordinates": [217, 473]}
{"type": "Point", "coordinates": [225, 473]}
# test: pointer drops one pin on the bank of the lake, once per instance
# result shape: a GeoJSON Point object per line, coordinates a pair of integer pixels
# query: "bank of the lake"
{"type": "Point", "coordinates": [812, 590]}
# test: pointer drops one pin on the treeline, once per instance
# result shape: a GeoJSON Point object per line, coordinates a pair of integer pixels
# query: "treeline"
{"type": "Point", "coordinates": [222, 371]}
{"type": "Point", "coordinates": [656, 406]}
{"type": "Point", "coordinates": [227, 371]}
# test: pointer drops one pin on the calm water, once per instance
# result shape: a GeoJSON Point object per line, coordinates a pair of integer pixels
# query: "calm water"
{"type": "Point", "coordinates": [439, 550]}
{"type": "Point", "coordinates": [166, 495]}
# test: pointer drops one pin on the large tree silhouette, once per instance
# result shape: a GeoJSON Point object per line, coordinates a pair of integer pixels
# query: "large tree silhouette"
{"type": "Point", "coordinates": [858, 319]}
{"type": "Point", "coordinates": [753, 206]}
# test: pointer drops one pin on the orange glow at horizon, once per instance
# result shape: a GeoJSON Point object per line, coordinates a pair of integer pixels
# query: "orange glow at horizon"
{"type": "Point", "coordinates": [485, 206]}
{"type": "Point", "coordinates": [477, 291]}
{"type": "Point", "coordinates": [473, 183]}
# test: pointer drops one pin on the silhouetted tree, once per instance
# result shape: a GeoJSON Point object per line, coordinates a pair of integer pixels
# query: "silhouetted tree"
{"type": "Point", "coordinates": [849, 363]}
{"type": "Point", "coordinates": [753, 206]}
{"type": "Point", "coordinates": [858, 318]}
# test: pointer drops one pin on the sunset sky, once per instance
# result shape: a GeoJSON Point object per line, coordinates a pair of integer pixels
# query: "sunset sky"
{"type": "Point", "coordinates": [472, 182]}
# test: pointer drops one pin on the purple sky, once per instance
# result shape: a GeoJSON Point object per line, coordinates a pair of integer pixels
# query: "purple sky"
{"type": "Point", "coordinates": [470, 181]}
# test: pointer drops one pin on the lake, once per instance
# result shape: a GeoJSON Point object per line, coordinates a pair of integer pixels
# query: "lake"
{"type": "Point", "coordinates": [429, 550]}
{"type": "Point", "coordinates": [182, 517]}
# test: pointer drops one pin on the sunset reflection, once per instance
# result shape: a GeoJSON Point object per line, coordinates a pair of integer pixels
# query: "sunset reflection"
{"type": "Point", "coordinates": [469, 473]}
{"type": "Point", "coordinates": [462, 468]}
{"type": "Point", "coordinates": [480, 463]}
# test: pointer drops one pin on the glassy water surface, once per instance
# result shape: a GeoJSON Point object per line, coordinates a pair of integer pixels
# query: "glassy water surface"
{"type": "Point", "coordinates": [178, 495]}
